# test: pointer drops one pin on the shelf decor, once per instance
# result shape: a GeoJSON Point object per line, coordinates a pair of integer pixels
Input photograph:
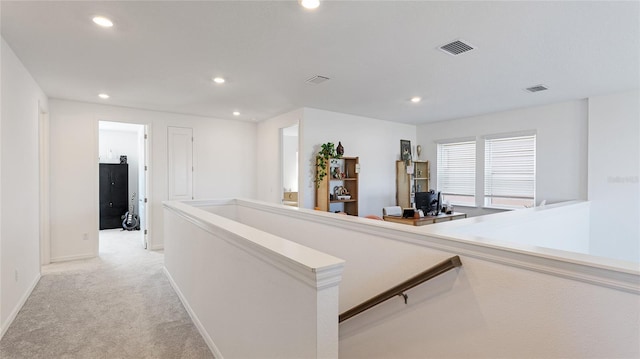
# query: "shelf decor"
{"type": "Point", "coordinates": [327, 151]}
{"type": "Point", "coordinates": [337, 190]}
{"type": "Point", "coordinates": [410, 182]}
{"type": "Point", "coordinates": [405, 152]}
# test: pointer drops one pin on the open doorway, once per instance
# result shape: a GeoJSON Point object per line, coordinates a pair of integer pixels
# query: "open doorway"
{"type": "Point", "coordinates": [289, 147]}
{"type": "Point", "coordinates": [123, 186]}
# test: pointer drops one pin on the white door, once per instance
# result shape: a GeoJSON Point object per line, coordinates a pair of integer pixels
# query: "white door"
{"type": "Point", "coordinates": [180, 150]}
{"type": "Point", "coordinates": [143, 178]}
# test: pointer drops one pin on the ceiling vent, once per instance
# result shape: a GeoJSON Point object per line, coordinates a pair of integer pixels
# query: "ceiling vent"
{"type": "Point", "coordinates": [317, 79]}
{"type": "Point", "coordinates": [456, 48]}
{"type": "Point", "coordinates": [537, 88]}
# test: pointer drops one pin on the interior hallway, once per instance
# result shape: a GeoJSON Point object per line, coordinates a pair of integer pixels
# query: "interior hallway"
{"type": "Point", "coordinates": [119, 305]}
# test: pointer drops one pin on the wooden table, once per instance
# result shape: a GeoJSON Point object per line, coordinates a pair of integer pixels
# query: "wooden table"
{"type": "Point", "coordinates": [426, 219]}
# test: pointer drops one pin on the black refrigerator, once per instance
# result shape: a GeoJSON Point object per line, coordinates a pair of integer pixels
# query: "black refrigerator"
{"type": "Point", "coordinates": [114, 193]}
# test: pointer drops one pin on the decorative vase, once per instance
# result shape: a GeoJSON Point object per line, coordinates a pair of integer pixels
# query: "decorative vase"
{"type": "Point", "coordinates": [340, 149]}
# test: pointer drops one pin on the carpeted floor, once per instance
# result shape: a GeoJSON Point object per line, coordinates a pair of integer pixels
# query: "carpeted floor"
{"type": "Point", "coordinates": [119, 305]}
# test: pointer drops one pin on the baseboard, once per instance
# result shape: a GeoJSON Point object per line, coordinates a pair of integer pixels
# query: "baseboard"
{"type": "Point", "coordinates": [72, 258]}
{"type": "Point", "coordinates": [14, 313]}
{"type": "Point", "coordinates": [157, 247]}
{"type": "Point", "coordinates": [205, 335]}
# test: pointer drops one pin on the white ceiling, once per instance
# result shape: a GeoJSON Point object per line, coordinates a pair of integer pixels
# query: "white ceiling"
{"type": "Point", "coordinates": [161, 55]}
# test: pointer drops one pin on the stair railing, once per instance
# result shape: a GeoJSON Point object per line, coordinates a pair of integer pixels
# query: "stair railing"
{"type": "Point", "coordinates": [400, 289]}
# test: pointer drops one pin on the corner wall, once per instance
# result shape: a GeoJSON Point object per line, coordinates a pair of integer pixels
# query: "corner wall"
{"type": "Point", "coordinates": [376, 142]}
{"type": "Point", "coordinates": [21, 98]}
{"type": "Point", "coordinates": [268, 154]}
{"type": "Point", "coordinates": [224, 158]}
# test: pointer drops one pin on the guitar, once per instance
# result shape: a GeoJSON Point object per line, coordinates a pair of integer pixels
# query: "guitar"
{"type": "Point", "coordinates": [131, 220]}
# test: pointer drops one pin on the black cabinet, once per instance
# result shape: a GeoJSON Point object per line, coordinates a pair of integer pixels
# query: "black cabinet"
{"type": "Point", "coordinates": [114, 193]}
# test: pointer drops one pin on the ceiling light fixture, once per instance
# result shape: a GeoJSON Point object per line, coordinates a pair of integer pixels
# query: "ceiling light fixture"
{"type": "Point", "coordinates": [310, 4]}
{"type": "Point", "coordinates": [236, 113]}
{"type": "Point", "coordinates": [103, 96]}
{"type": "Point", "coordinates": [416, 99]}
{"type": "Point", "coordinates": [102, 21]}
{"type": "Point", "coordinates": [218, 80]}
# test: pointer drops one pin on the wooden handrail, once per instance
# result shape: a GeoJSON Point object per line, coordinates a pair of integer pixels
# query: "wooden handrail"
{"type": "Point", "coordinates": [432, 272]}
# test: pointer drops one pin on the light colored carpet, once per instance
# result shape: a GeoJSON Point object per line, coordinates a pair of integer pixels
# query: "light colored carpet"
{"type": "Point", "coordinates": [119, 305]}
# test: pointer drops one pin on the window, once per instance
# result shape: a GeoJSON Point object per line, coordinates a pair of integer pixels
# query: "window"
{"type": "Point", "coordinates": [510, 171]}
{"type": "Point", "coordinates": [457, 172]}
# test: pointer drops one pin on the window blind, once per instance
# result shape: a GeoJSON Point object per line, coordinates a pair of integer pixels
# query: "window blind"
{"type": "Point", "coordinates": [510, 167]}
{"type": "Point", "coordinates": [457, 168]}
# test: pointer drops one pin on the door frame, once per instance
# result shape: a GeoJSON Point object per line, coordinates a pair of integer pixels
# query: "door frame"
{"type": "Point", "coordinates": [44, 190]}
{"type": "Point", "coordinates": [147, 236]}
{"type": "Point", "coordinates": [281, 161]}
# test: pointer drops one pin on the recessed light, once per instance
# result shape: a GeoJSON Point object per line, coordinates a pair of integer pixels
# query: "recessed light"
{"type": "Point", "coordinates": [236, 113]}
{"type": "Point", "coordinates": [218, 80]}
{"type": "Point", "coordinates": [102, 21]}
{"type": "Point", "coordinates": [103, 96]}
{"type": "Point", "coordinates": [416, 99]}
{"type": "Point", "coordinates": [310, 4]}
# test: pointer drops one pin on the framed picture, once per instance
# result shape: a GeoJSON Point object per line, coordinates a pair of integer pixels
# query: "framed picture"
{"type": "Point", "coordinates": [405, 150]}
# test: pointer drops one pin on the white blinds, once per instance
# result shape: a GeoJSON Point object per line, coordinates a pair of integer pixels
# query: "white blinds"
{"type": "Point", "coordinates": [457, 168]}
{"type": "Point", "coordinates": [510, 167]}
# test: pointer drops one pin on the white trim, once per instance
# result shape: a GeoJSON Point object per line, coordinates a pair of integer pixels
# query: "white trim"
{"type": "Point", "coordinates": [148, 129]}
{"type": "Point", "coordinates": [44, 195]}
{"type": "Point", "coordinates": [523, 133]}
{"type": "Point", "coordinates": [600, 271]}
{"type": "Point", "coordinates": [454, 140]}
{"type": "Point", "coordinates": [72, 258]}
{"type": "Point", "coordinates": [205, 335]}
{"type": "Point", "coordinates": [505, 208]}
{"type": "Point", "coordinates": [321, 272]}
{"type": "Point", "coordinates": [14, 313]}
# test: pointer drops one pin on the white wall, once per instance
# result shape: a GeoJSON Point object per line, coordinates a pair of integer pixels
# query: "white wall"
{"type": "Point", "coordinates": [504, 302]}
{"type": "Point", "coordinates": [563, 226]}
{"type": "Point", "coordinates": [19, 185]}
{"type": "Point", "coordinates": [112, 145]}
{"type": "Point", "coordinates": [561, 145]}
{"type": "Point", "coordinates": [269, 157]}
{"type": "Point", "coordinates": [614, 172]}
{"type": "Point", "coordinates": [251, 294]}
{"type": "Point", "coordinates": [376, 142]}
{"type": "Point", "coordinates": [224, 158]}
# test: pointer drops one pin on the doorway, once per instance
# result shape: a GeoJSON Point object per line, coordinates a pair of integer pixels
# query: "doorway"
{"type": "Point", "coordinates": [122, 151]}
{"type": "Point", "coordinates": [289, 160]}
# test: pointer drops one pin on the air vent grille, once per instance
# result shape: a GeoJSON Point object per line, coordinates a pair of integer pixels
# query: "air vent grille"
{"type": "Point", "coordinates": [317, 79]}
{"type": "Point", "coordinates": [456, 47]}
{"type": "Point", "coordinates": [537, 88]}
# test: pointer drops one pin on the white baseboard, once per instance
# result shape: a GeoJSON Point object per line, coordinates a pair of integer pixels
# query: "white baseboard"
{"type": "Point", "coordinates": [157, 247]}
{"type": "Point", "coordinates": [205, 335]}
{"type": "Point", "coordinates": [72, 258]}
{"type": "Point", "coordinates": [14, 313]}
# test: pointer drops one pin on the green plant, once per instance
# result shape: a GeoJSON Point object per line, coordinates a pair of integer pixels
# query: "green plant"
{"type": "Point", "coordinates": [327, 151]}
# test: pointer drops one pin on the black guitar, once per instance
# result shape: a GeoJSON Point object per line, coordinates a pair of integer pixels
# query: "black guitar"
{"type": "Point", "coordinates": [131, 220]}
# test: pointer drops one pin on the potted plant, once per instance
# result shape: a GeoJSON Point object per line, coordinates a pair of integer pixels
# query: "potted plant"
{"type": "Point", "coordinates": [327, 151]}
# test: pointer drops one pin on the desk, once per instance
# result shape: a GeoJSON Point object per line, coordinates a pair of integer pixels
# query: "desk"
{"type": "Point", "coordinates": [426, 219]}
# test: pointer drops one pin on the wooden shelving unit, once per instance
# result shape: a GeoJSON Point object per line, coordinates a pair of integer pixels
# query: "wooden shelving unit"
{"type": "Point", "coordinates": [341, 172]}
{"type": "Point", "coordinates": [407, 184]}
